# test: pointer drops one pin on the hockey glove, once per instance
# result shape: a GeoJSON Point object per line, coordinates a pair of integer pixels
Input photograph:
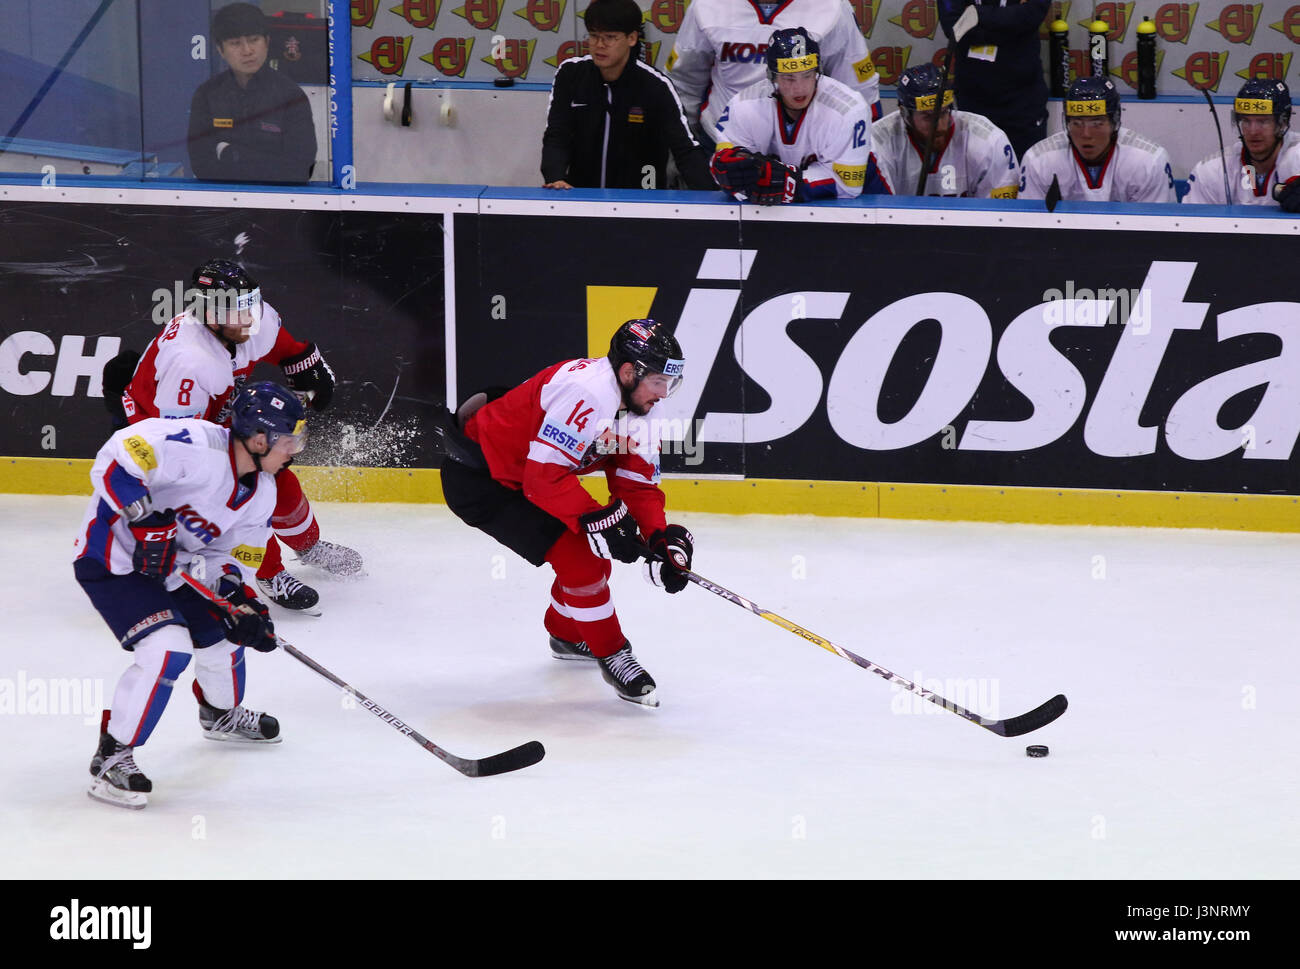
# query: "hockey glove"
{"type": "Point", "coordinates": [249, 622]}
{"type": "Point", "coordinates": [309, 376]}
{"type": "Point", "coordinates": [763, 179]}
{"type": "Point", "coordinates": [155, 544]}
{"type": "Point", "coordinates": [1287, 195]}
{"type": "Point", "coordinates": [673, 548]}
{"type": "Point", "coordinates": [612, 532]}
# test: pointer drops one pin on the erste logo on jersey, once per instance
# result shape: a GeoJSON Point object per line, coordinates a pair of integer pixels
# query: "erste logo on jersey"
{"type": "Point", "coordinates": [543, 14]}
{"type": "Point", "coordinates": [918, 18]}
{"type": "Point", "coordinates": [1273, 66]}
{"type": "Point", "coordinates": [667, 15]}
{"type": "Point", "coordinates": [558, 437]}
{"type": "Point", "coordinates": [1204, 69]}
{"type": "Point", "coordinates": [418, 13]}
{"type": "Point", "coordinates": [387, 54]}
{"type": "Point", "coordinates": [1289, 25]}
{"type": "Point", "coordinates": [1237, 22]}
{"type": "Point", "coordinates": [481, 14]}
{"type": "Point", "coordinates": [1174, 21]}
{"type": "Point", "coordinates": [450, 55]}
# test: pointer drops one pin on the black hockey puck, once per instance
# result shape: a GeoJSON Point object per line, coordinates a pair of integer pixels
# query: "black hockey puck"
{"type": "Point", "coordinates": [1036, 750]}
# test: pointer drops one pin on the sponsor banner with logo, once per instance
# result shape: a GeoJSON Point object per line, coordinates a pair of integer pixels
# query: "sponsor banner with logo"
{"type": "Point", "coordinates": [83, 281]}
{"type": "Point", "coordinates": [1134, 360]}
{"type": "Point", "coordinates": [1212, 45]}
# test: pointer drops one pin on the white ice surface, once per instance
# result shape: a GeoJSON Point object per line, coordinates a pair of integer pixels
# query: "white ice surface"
{"type": "Point", "coordinates": [769, 757]}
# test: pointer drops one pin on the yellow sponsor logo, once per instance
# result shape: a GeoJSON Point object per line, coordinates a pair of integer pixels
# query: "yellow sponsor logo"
{"type": "Point", "coordinates": [851, 175]}
{"type": "Point", "coordinates": [1084, 109]}
{"type": "Point", "coordinates": [1252, 106]}
{"type": "Point", "coordinates": [141, 452]}
{"type": "Point", "coordinates": [926, 101]}
{"type": "Point", "coordinates": [672, 61]}
{"type": "Point", "coordinates": [250, 555]}
{"type": "Point", "coordinates": [1006, 192]}
{"type": "Point", "coordinates": [793, 65]}
{"type": "Point", "coordinates": [864, 69]}
{"type": "Point", "coordinates": [223, 122]}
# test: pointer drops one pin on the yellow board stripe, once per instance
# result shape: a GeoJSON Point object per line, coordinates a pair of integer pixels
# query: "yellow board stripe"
{"type": "Point", "coordinates": [609, 307]}
{"type": "Point", "coordinates": [853, 499]}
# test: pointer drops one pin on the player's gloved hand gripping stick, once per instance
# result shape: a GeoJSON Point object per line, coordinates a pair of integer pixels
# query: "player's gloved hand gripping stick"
{"type": "Point", "coordinates": [1040, 716]}
{"type": "Point", "coordinates": [525, 755]}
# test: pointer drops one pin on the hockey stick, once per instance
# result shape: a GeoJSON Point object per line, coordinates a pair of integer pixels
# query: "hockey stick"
{"type": "Point", "coordinates": [516, 758]}
{"type": "Point", "coordinates": [1214, 113]}
{"type": "Point", "coordinates": [1040, 716]}
{"type": "Point", "coordinates": [927, 158]}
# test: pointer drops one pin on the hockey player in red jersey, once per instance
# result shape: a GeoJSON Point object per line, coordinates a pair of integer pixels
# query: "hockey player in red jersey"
{"type": "Point", "coordinates": [193, 369]}
{"type": "Point", "coordinates": [512, 472]}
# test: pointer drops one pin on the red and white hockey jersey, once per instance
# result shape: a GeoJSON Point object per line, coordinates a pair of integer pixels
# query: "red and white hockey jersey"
{"type": "Point", "coordinates": [830, 143]}
{"type": "Point", "coordinates": [1135, 169]}
{"type": "Point", "coordinates": [566, 421]}
{"type": "Point", "coordinates": [721, 44]}
{"type": "Point", "coordinates": [187, 371]}
{"type": "Point", "coordinates": [977, 162]}
{"type": "Point", "coordinates": [188, 466]}
{"type": "Point", "coordinates": [1205, 183]}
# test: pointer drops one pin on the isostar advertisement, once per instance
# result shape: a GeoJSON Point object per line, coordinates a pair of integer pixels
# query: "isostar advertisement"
{"type": "Point", "coordinates": [81, 282]}
{"type": "Point", "coordinates": [936, 354]}
{"type": "Point", "coordinates": [1214, 46]}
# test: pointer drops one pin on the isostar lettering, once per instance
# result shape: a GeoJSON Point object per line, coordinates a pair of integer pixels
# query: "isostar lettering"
{"type": "Point", "coordinates": [1115, 423]}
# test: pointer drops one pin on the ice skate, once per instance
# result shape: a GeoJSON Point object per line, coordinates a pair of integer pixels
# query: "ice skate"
{"type": "Point", "coordinates": [288, 593]}
{"type": "Point", "coordinates": [331, 558]}
{"type": "Point", "coordinates": [238, 725]}
{"type": "Point", "coordinates": [563, 649]}
{"type": "Point", "coordinates": [622, 671]}
{"type": "Point", "coordinates": [118, 780]}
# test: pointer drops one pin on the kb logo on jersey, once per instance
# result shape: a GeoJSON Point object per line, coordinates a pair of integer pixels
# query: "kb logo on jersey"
{"type": "Point", "coordinates": [543, 14]}
{"type": "Point", "coordinates": [1237, 22]}
{"type": "Point", "coordinates": [418, 13]}
{"type": "Point", "coordinates": [481, 14]}
{"type": "Point", "coordinates": [450, 55]}
{"type": "Point", "coordinates": [388, 54]}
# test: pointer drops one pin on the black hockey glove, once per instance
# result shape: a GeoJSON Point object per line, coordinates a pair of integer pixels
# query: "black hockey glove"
{"type": "Point", "coordinates": [308, 374]}
{"type": "Point", "coordinates": [250, 624]}
{"type": "Point", "coordinates": [1287, 195]}
{"type": "Point", "coordinates": [673, 548]}
{"type": "Point", "coordinates": [763, 179]}
{"type": "Point", "coordinates": [155, 544]}
{"type": "Point", "coordinates": [612, 532]}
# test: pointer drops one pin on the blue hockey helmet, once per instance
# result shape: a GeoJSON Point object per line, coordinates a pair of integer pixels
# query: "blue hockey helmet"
{"type": "Point", "coordinates": [1092, 97]}
{"type": "Point", "coordinates": [918, 89]}
{"type": "Point", "coordinates": [1261, 96]}
{"type": "Point", "coordinates": [792, 50]}
{"type": "Point", "coordinates": [226, 288]}
{"type": "Point", "coordinates": [266, 407]}
{"type": "Point", "coordinates": [651, 349]}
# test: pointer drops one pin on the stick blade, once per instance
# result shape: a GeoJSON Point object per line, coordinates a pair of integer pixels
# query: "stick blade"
{"type": "Point", "coordinates": [1031, 721]}
{"type": "Point", "coordinates": [517, 758]}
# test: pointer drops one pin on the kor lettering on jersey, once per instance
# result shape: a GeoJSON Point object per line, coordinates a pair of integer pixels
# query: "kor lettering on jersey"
{"type": "Point", "coordinates": [195, 523]}
{"type": "Point", "coordinates": [1112, 408]}
{"type": "Point", "coordinates": [742, 53]}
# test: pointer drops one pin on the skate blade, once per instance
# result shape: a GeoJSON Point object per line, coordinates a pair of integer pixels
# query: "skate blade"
{"type": "Point", "coordinates": [574, 656]}
{"type": "Point", "coordinates": [650, 699]}
{"type": "Point", "coordinates": [309, 611]}
{"type": "Point", "coordinates": [103, 791]}
{"type": "Point", "coordinates": [226, 738]}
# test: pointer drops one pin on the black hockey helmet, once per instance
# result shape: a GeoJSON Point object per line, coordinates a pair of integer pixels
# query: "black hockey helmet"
{"type": "Point", "coordinates": [918, 89]}
{"type": "Point", "coordinates": [651, 349]}
{"type": "Point", "coordinates": [792, 50]}
{"type": "Point", "coordinates": [268, 407]}
{"type": "Point", "coordinates": [1261, 96]}
{"type": "Point", "coordinates": [1092, 97]}
{"type": "Point", "coordinates": [229, 291]}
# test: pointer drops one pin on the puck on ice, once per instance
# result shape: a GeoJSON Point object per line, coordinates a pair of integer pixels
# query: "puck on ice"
{"type": "Point", "coordinates": [1036, 750]}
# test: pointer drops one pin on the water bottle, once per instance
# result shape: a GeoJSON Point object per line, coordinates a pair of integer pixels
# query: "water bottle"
{"type": "Point", "coordinates": [1058, 54]}
{"type": "Point", "coordinates": [1146, 51]}
{"type": "Point", "coordinates": [1097, 31]}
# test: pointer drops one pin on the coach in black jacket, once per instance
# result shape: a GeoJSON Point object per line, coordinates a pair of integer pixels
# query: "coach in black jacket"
{"type": "Point", "coordinates": [250, 123]}
{"type": "Point", "coordinates": [613, 118]}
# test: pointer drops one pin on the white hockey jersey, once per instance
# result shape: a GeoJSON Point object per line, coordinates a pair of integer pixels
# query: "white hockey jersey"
{"type": "Point", "coordinates": [977, 162]}
{"type": "Point", "coordinates": [188, 466]}
{"type": "Point", "coordinates": [830, 143]}
{"type": "Point", "coordinates": [1135, 169]}
{"type": "Point", "coordinates": [187, 371]}
{"type": "Point", "coordinates": [721, 44]}
{"type": "Point", "coordinates": [1205, 183]}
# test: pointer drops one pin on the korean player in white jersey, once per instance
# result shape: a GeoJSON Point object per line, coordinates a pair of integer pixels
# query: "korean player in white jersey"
{"type": "Point", "coordinates": [1095, 159]}
{"type": "Point", "coordinates": [512, 468]}
{"type": "Point", "coordinates": [165, 492]}
{"type": "Point", "coordinates": [1261, 113]}
{"type": "Point", "coordinates": [970, 155]}
{"type": "Point", "coordinates": [798, 136]}
{"type": "Point", "coordinates": [721, 49]}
